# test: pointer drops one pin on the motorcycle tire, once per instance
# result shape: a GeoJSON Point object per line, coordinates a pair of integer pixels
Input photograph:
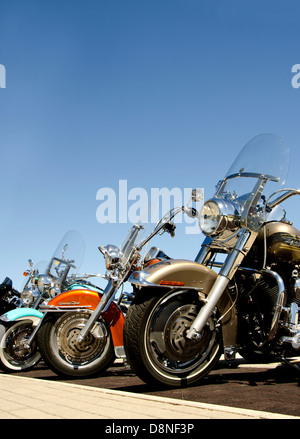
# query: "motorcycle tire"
{"type": "Point", "coordinates": [57, 339]}
{"type": "Point", "coordinates": [155, 343]}
{"type": "Point", "coordinates": [15, 355]}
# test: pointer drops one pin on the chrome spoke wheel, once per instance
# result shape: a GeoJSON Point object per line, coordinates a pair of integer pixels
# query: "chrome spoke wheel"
{"type": "Point", "coordinates": [15, 353]}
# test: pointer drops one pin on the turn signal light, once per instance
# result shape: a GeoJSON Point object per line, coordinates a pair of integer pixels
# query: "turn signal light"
{"type": "Point", "coordinates": [172, 283]}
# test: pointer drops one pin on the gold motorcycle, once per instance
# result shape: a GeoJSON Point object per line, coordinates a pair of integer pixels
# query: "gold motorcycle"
{"type": "Point", "coordinates": [242, 292]}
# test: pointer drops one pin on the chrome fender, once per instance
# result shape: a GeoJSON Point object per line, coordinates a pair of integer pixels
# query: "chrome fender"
{"type": "Point", "coordinates": [182, 274]}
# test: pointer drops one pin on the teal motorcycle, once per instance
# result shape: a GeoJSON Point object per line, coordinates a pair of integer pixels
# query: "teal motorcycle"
{"type": "Point", "coordinates": [18, 348]}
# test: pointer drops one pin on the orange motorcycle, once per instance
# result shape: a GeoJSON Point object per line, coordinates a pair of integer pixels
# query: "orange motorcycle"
{"type": "Point", "coordinates": [81, 332]}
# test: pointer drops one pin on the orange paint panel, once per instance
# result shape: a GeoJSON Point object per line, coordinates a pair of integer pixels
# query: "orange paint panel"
{"type": "Point", "coordinates": [76, 298]}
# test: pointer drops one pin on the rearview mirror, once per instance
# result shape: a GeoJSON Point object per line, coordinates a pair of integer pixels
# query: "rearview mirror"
{"type": "Point", "coordinates": [197, 195]}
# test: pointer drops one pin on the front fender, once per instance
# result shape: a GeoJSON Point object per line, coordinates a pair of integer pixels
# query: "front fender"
{"type": "Point", "coordinates": [75, 298]}
{"type": "Point", "coordinates": [22, 314]}
{"type": "Point", "coordinates": [83, 298]}
{"type": "Point", "coordinates": [189, 275]}
{"type": "Point", "coordinates": [16, 315]}
{"type": "Point", "coordinates": [175, 273]}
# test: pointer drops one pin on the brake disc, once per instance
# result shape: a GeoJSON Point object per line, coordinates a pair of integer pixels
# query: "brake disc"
{"type": "Point", "coordinates": [67, 340]}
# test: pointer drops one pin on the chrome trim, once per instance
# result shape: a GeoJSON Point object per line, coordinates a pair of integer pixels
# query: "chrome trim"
{"type": "Point", "coordinates": [120, 352]}
{"type": "Point", "coordinates": [230, 352]}
{"type": "Point", "coordinates": [37, 325]}
{"type": "Point", "coordinates": [289, 193]}
{"type": "Point", "coordinates": [294, 314]}
{"type": "Point", "coordinates": [205, 312]}
{"type": "Point", "coordinates": [235, 258]}
{"type": "Point", "coordinates": [106, 299]}
{"type": "Point", "coordinates": [52, 308]}
{"type": "Point", "coordinates": [279, 304]}
{"type": "Point", "coordinates": [252, 175]}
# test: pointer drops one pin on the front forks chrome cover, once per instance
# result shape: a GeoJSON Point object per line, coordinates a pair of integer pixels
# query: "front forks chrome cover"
{"type": "Point", "coordinates": [227, 271]}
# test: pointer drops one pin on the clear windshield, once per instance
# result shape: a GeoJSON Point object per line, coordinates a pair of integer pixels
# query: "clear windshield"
{"type": "Point", "coordinates": [264, 155]}
{"type": "Point", "coordinates": [70, 251]}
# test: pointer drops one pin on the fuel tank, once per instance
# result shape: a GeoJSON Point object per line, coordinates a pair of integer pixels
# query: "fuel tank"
{"type": "Point", "coordinates": [283, 244]}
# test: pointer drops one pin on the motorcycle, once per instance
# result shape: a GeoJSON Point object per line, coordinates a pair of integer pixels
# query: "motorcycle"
{"type": "Point", "coordinates": [185, 314]}
{"type": "Point", "coordinates": [9, 297]}
{"type": "Point", "coordinates": [82, 334]}
{"type": "Point", "coordinates": [44, 282]}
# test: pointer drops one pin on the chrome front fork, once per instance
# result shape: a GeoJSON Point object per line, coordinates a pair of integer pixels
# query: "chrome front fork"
{"type": "Point", "coordinates": [226, 273]}
{"type": "Point", "coordinates": [108, 295]}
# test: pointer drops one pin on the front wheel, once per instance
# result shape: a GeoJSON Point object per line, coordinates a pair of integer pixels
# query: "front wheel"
{"type": "Point", "coordinates": [155, 338]}
{"type": "Point", "coordinates": [15, 354]}
{"type": "Point", "coordinates": [65, 355]}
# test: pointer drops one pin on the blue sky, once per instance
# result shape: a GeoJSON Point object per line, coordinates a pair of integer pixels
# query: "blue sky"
{"type": "Point", "coordinates": [159, 93]}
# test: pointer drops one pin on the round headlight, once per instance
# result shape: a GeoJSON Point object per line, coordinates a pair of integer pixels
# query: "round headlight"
{"type": "Point", "coordinates": [44, 283]}
{"type": "Point", "coordinates": [27, 296]}
{"type": "Point", "coordinates": [112, 256]}
{"type": "Point", "coordinates": [216, 216]}
{"type": "Point", "coordinates": [209, 217]}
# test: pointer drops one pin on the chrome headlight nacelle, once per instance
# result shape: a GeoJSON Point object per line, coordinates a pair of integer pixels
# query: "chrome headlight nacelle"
{"type": "Point", "coordinates": [44, 283]}
{"type": "Point", "coordinates": [218, 215]}
{"type": "Point", "coordinates": [34, 281]}
{"type": "Point", "coordinates": [113, 256]}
